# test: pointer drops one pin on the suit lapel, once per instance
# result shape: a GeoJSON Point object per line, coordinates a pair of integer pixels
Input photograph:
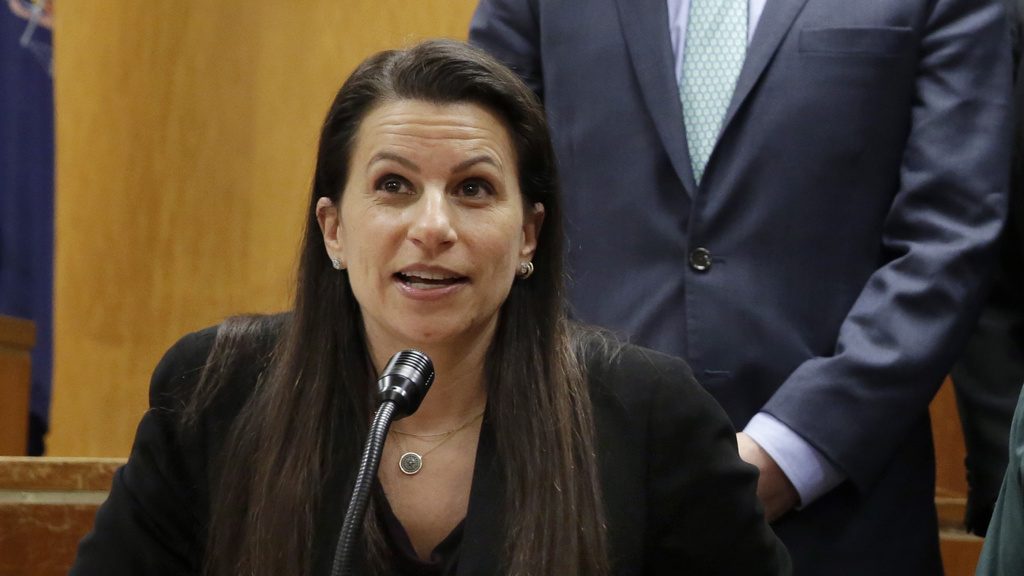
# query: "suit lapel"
{"type": "Point", "coordinates": [645, 27]}
{"type": "Point", "coordinates": [775, 22]}
{"type": "Point", "coordinates": [483, 538]}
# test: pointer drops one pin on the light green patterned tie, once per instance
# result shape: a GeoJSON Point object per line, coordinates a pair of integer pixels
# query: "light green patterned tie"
{"type": "Point", "coordinates": [716, 42]}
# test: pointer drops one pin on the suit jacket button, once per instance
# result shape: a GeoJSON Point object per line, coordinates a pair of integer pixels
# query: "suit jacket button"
{"type": "Point", "coordinates": [700, 259]}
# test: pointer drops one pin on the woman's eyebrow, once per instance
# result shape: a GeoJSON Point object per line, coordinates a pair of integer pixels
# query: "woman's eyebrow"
{"type": "Point", "coordinates": [481, 159]}
{"type": "Point", "coordinates": [381, 156]}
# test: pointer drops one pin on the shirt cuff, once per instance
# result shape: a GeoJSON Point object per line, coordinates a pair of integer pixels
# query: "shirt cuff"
{"type": "Point", "coordinates": [809, 470]}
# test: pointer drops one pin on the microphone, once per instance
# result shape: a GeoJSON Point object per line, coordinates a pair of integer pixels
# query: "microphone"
{"type": "Point", "coordinates": [400, 390]}
{"type": "Point", "coordinates": [405, 381]}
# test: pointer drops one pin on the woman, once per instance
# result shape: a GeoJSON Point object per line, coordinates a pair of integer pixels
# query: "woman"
{"type": "Point", "coordinates": [541, 448]}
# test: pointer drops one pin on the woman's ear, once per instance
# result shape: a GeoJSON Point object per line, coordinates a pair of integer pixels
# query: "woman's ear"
{"type": "Point", "coordinates": [532, 223]}
{"type": "Point", "coordinates": [328, 215]}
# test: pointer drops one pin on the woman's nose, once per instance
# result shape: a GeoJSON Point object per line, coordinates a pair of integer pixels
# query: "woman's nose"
{"type": "Point", "coordinates": [432, 225]}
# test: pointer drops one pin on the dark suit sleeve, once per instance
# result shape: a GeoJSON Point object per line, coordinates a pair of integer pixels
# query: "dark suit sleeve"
{"type": "Point", "coordinates": [704, 514]}
{"type": "Point", "coordinates": [153, 521]}
{"type": "Point", "coordinates": [912, 317]}
{"type": "Point", "coordinates": [508, 30]}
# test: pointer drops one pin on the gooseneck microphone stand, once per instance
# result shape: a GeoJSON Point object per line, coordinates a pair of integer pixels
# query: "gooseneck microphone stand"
{"type": "Point", "coordinates": [400, 389]}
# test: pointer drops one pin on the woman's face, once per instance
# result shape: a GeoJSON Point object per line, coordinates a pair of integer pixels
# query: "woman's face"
{"type": "Point", "coordinates": [432, 225]}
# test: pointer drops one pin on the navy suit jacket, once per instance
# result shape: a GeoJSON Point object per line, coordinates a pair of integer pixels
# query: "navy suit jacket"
{"type": "Point", "coordinates": [847, 214]}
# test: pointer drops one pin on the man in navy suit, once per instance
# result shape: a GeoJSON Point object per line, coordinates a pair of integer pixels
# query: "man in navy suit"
{"type": "Point", "coordinates": [820, 259]}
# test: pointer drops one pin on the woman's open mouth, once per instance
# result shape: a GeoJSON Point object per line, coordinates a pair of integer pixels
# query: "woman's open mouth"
{"type": "Point", "coordinates": [429, 280]}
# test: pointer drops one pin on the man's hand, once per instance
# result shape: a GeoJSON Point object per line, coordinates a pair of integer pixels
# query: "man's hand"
{"type": "Point", "coordinates": [776, 492]}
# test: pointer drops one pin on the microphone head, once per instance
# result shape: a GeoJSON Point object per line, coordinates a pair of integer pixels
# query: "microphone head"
{"type": "Point", "coordinates": [405, 381]}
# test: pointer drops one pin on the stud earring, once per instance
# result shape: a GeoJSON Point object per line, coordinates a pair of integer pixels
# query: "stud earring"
{"type": "Point", "coordinates": [525, 270]}
{"type": "Point", "coordinates": [336, 262]}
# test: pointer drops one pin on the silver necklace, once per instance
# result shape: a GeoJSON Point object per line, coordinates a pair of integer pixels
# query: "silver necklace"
{"type": "Point", "coordinates": [411, 462]}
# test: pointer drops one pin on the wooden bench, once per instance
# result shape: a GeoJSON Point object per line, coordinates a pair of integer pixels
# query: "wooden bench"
{"type": "Point", "coordinates": [46, 506]}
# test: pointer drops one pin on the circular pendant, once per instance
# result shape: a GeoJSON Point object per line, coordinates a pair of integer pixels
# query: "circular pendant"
{"type": "Point", "coordinates": [410, 463]}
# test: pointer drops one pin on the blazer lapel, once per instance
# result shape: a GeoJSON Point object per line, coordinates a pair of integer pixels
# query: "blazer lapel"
{"type": "Point", "coordinates": [483, 537]}
{"type": "Point", "coordinates": [645, 28]}
{"type": "Point", "coordinates": [775, 22]}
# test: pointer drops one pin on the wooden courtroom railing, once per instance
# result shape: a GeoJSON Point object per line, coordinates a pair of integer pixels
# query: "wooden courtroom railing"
{"type": "Point", "coordinates": [46, 506]}
{"type": "Point", "coordinates": [17, 337]}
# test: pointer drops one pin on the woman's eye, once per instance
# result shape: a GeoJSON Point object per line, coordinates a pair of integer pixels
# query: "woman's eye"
{"type": "Point", "coordinates": [474, 189]}
{"type": "Point", "coordinates": [393, 185]}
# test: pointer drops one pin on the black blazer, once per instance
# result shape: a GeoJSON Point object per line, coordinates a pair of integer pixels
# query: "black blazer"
{"type": "Point", "coordinates": [678, 498]}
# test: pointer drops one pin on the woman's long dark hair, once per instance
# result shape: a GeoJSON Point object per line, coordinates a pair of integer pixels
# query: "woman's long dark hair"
{"type": "Point", "coordinates": [312, 401]}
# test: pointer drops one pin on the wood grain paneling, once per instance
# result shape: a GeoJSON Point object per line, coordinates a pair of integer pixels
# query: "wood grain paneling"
{"type": "Point", "coordinates": [41, 538]}
{"type": "Point", "coordinates": [960, 550]}
{"type": "Point", "coordinates": [186, 135]}
{"type": "Point", "coordinates": [57, 474]}
{"type": "Point", "coordinates": [950, 451]}
{"type": "Point", "coordinates": [46, 506]}
{"type": "Point", "coordinates": [17, 338]}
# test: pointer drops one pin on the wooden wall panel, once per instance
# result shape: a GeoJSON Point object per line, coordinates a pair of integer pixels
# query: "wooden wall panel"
{"type": "Point", "coordinates": [960, 550]}
{"type": "Point", "coordinates": [950, 450]}
{"type": "Point", "coordinates": [46, 506]}
{"type": "Point", "coordinates": [186, 134]}
{"type": "Point", "coordinates": [17, 338]}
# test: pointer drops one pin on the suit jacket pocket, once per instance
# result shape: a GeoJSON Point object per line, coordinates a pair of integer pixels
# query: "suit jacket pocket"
{"type": "Point", "coordinates": [857, 41]}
